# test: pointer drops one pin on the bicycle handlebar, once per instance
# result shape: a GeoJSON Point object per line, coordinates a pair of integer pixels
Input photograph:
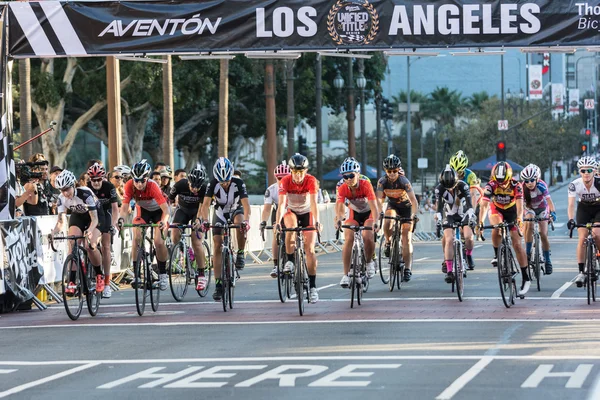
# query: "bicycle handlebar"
{"type": "Point", "coordinates": [162, 235]}
{"type": "Point", "coordinates": [182, 228]}
{"type": "Point", "coordinates": [588, 226]}
{"type": "Point", "coordinates": [51, 239]}
{"type": "Point", "coordinates": [357, 228]}
{"type": "Point", "coordinates": [262, 231]}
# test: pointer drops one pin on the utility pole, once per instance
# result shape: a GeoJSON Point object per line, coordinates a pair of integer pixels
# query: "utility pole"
{"type": "Point", "coordinates": [350, 111]}
{"type": "Point", "coordinates": [408, 124]}
{"type": "Point", "coordinates": [113, 94]}
{"type": "Point", "coordinates": [223, 108]}
{"type": "Point", "coordinates": [289, 69]}
{"type": "Point", "coordinates": [318, 106]}
{"type": "Point", "coordinates": [168, 124]}
{"type": "Point", "coordinates": [271, 121]}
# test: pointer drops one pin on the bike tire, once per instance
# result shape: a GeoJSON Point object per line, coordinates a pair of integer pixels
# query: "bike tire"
{"type": "Point", "coordinates": [139, 273]}
{"type": "Point", "coordinates": [232, 281]}
{"type": "Point", "coordinates": [588, 271]}
{"type": "Point", "coordinates": [282, 278]}
{"type": "Point", "coordinates": [458, 272]}
{"type": "Point", "coordinates": [225, 277]}
{"type": "Point", "coordinates": [299, 282]}
{"type": "Point", "coordinates": [92, 297]}
{"type": "Point", "coordinates": [383, 261]}
{"type": "Point", "coordinates": [394, 265]}
{"type": "Point", "coordinates": [73, 304]}
{"type": "Point", "coordinates": [513, 272]}
{"type": "Point", "coordinates": [353, 281]}
{"type": "Point", "coordinates": [400, 271]}
{"type": "Point", "coordinates": [179, 270]}
{"type": "Point", "coordinates": [504, 281]}
{"type": "Point", "coordinates": [365, 279]}
{"type": "Point", "coordinates": [208, 270]}
{"type": "Point", "coordinates": [153, 287]}
{"type": "Point", "coordinates": [537, 264]}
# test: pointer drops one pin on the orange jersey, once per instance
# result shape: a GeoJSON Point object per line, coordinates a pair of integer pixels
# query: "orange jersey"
{"type": "Point", "coordinates": [503, 197]}
{"type": "Point", "coordinates": [298, 194]}
{"type": "Point", "coordinates": [358, 198]}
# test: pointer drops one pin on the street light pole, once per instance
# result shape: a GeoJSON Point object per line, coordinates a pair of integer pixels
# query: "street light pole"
{"type": "Point", "coordinates": [318, 106]}
{"type": "Point", "coordinates": [361, 82]}
{"type": "Point", "coordinates": [350, 111]}
{"type": "Point", "coordinates": [502, 94]}
{"type": "Point", "coordinates": [408, 124]}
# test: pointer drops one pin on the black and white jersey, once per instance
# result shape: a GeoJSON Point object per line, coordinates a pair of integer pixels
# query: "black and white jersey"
{"type": "Point", "coordinates": [187, 199]}
{"type": "Point", "coordinates": [272, 194]}
{"type": "Point", "coordinates": [453, 201]}
{"type": "Point", "coordinates": [83, 201]}
{"type": "Point", "coordinates": [106, 195]}
{"type": "Point", "coordinates": [227, 201]}
{"type": "Point", "coordinates": [578, 190]}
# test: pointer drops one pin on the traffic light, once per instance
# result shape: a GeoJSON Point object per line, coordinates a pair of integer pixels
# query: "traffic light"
{"type": "Point", "coordinates": [385, 106]}
{"type": "Point", "coordinates": [390, 111]}
{"type": "Point", "coordinates": [501, 151]}
{"type": "Point", "coordinates": [302, 145]}
{"type": "Point", "coordinates": [588, 132]}
{"type": "Point", "coordinates": [583, 148]}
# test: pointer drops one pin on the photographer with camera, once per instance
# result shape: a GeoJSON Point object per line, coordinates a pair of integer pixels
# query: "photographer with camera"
{"type": "Point", "coordinates": [37, 172]}
{"type": "Point", "coordinates": [26, 187]}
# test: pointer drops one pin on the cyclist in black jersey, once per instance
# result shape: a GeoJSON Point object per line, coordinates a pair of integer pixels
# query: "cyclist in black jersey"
{"type": "Point", "coordinates": [108, 213]}
{"type": "Point", "coordinates": [189, 194]}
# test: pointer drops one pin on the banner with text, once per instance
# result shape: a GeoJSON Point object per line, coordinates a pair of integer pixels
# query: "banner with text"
{"type": "Point", "coordinates": [574, 101]}
{"type": "Point", "coordinates": [536, 89]}
{"type": "Point", "coordinates": [54, 28]}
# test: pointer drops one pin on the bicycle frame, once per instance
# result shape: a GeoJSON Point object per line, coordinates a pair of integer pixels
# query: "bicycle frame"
{"type": "Point", "coordinates": [534, 260]}
{"type": "Point", "coordinates": [359, 277]}
{"type": "Point", "coordinates": [506, 264]}
{"type": "Point", "coordinates": [396, 261]}
{"type": "Point", "coordinates": [229, 274]}
{"type": "Point", "coordinates": [590, 261]}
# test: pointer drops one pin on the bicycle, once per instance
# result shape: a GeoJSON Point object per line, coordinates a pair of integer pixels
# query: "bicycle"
{"type": "Point", "coordinates": [229, 275]}
{"type": "Point", "coordinates": [459, 259]}
{"type": "Point", "coordinates": [300, 276]}
{"type": "Point", "coordinates": [284, 279]}
{"type": "Point", "coordinates": [358, 264]}
{"type": "Point", "coordinates": [183, 270]}
{"type": "Point", "coordinates": [85, 279]}
{"type": "Point", "coordinates": [507, 270]}
{"type": "Point", "coordinates": [535, 258]}
{"type": "Point", "coordinates": [145, 278]}
{"type": "Point", "coordinates": [395, 261]}
{"type": "Point", "coordinates": [591, 261]}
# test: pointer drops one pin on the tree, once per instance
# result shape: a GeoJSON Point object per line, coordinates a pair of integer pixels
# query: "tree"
{"type": "Point", "coordinates": [443, 106]}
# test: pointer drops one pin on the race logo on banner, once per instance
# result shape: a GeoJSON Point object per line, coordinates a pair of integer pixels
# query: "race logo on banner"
{"type": "Point", "coordinates": [535, 82]}
{"type": "Point", "coordinates": [557, 96]}
{"type": "Point", "coordinates": [353, 22]}
{"type": "Point", "coordinates": [573, 101]}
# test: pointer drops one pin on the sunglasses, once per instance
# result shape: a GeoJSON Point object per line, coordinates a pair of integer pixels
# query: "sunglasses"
{"type": "Point", "coordinates": [348, 176]}
{"type": "Point", "coordinates": [143, 180]}
{"type": "Point", "coordinates": [529, 180]}
{"type": "Point", "coordinates": [96, 180]}
{"type": "Point", "coordinates": [392, 171]}
{"type": "Point", "coordinates": [586, 171]}
{"type": "Point", "coordinates": [298, 171]}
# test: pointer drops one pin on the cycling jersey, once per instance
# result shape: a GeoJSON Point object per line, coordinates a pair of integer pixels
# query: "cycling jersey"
{"type": "Point", "coordinates": [107, 194]}
{"type": "Point", "coordinates": [536, 198]}
{"type": "Point", "coordinates": [503, 197]}
{"type": "Point", "coordinates": [82, 202]}
{"type": "Point", "coordinates": [272, 194]}
{"type": "Point", "coordinates": [358, 198]}
{"type": "Point", "coordinates": [149, 199]}
{"type": "Point", "coordinates": [470, 178]}
{"type": "Point", "coordinates": [578, 190]}
{"type": "Point", "coordinates": [455, 201]}
{"type": "Point", "coordinates": [396, 191]}
{"type": "Point", "coordinates": [227, 201]}
{"type": "Point", "coordinates": [341, 182]}
{"type": "Point", "coordinates": [298, 199]}
{"type": "Point", "coordinates": [188, 200]}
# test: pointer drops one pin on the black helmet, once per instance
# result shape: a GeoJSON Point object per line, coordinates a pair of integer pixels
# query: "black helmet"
{"type": "Point", "coordinates": [391, 162]}
{"type": "Point", "coordinates": [197, 176]}
{"type": "Point", "coordinates": [448, 177]}
{"type": "Point", "coordinates": [298, 161]}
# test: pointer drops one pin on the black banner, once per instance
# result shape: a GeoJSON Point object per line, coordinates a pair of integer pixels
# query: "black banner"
{"type": "Point", "coordinates": [22, 271]}
{"type": "Point", "coordinates": [52, 28]}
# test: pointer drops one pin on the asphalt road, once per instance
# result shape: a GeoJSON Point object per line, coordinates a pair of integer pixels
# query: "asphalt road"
{"type": "Point", "coordinates": [416, 343]}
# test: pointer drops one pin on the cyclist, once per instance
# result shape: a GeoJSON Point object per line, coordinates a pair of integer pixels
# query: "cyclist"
{"type": "Point", "coordinates": [362, 205]}
{"type": "Point", "coordinates": [190, 193]}
{"type": "Point", "coordinates": [231, 204]}
{"type": "Point", "coordinates": [585, 191]}
{"type": "Point", "coordinates": [403, 203]}
{"type": "Point", "coordinates": [272, 199]}
{"type": "Point", "coordinates": [83, 222]}
{"type": "Point", "coordinates": [504, 195]}
{"type": "Point", "coordinates": [151, 207]}
{"type": "Point", "coordinates": [299, 192]}
{"type": "Point", "coordinates": [106, 194]}
{"type": "Point", "coordinates": [537, 203]}
{"type": "Point", "coordinates": [459, 162]}
{"type": "Point", "coordinates": [454, 198]}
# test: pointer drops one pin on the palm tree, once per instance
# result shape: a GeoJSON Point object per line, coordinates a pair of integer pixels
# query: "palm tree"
{"type": "Point", "coordinates": [415, 98]}
{"type": "Point", "coordinates": [475, 102]}
{"type": "Point", "coordinates": [25, 105]}
{"type": "Point", "coordinates": [443, 106]}
{"type": "Point", "coordinates": [168, 124]}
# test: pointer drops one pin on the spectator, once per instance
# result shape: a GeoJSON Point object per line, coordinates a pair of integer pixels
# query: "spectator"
{"type": "Point", "coordinates": [180, 174]}
{"type": "Point", "coordinates": [124, 171]}
{"type": "Point", "coordinates": [237, 173]}
{"type": "Point", "coordinates": [160, 167]}
{"type": "Point", "coordinates": [165, 182]}
{"type": "Point", "coordinates": [43, 187]}
{"type": "Point", "coordinates": [116, 178]}
{"type": "Point", "coordinates": [53, 174]}
{"type": "Point", "coordinates": [155, 176]}
{"type": "Point", "coordinates": [83, 180]}
{"type": "Point", "coordinates": [26, 193]}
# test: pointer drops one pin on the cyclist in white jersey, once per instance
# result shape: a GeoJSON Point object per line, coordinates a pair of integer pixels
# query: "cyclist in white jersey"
{"type": "Point", "coordinates": [272, 199]}
{"type": "Point", "coordinates": [83, 221]}
{"type": "Point", "coordinates": [586, 191]}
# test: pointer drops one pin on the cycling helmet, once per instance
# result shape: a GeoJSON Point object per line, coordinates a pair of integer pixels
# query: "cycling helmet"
{"type": "Point", "coordinates": [350, 166]}
{"type": "Point", "coordinates": [531, 171]}
{"type": "Point", "coordinates": [459, 161]}
{"type": "Point", "coordinates": [223, 169]}
{"type": "Point", "coordinates": [391, 162]}
{"type": "Point", "coordinates": [141, 170]}
{"type": "Point", "coordinates": [587, 162]}
{"type": "Point", "coordinates": [349, 159]}
{"type": "Point", "coordinates": [123, 169]}
{"type": "Point", "coordinates": [502, 172]}
{"type": "Point", "coordinates": [197, 177]}
{"type": "Point", "coordinates": [96, 171]}
{"type": "Point", "coordinates": [65, 180]}
{"type": "Point", "coordinates": [448, 177]}
{"type": "Point", "coordinates": [282, 170]}
{"type": "Point", "coordinates": [298, 161]}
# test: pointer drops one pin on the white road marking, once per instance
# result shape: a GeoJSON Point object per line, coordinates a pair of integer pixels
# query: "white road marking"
{"type": "Point", "coordinates": [20, 388]}
{"type": "Point", "coordinates": [464, 379]}
{"type": "Point", "coordinates": [7, 371]}
{"type": "Point", "coordinates": [478, 246]}
{"type": "Point", "coordinates": [325, 287]}
{"type": "Point", "coordinates": [421, 259]}
{"type": "Point", "coordinates": [561, 290]}
{"type": "Point", "coordinates": [594, 392]}
{"type": "Point", "coordinates": [293, 296]}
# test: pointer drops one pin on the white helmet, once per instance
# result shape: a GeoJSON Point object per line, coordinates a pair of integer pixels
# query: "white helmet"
{"type": "Point", "coordinates": [65, 179]}
{"type": "Point", "coordinates": [531, 171]}
{"type": "Point", "coordinates": [587, 162]}
{"type": "Point", "coordinates": [123, 169]}
{"type": "Point", "coordinates": [223, 169]}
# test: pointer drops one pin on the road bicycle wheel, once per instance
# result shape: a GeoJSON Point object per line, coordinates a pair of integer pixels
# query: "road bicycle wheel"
{"type": "Point", "coordinates": [383, 262]}
{"type": "Point", "coordinates": [393, 266]}
{"type": "Point", "coordinates": [537, 263]}
{"type": "Point", "coordinates": [208, 269]}
{"type": "Point", "coordinates": [141, 287]}
{"type": "Point", "coordinates": [179, 270]}
{"type": "Point", "coordinates": [232, 281]}
{"type": "Point", "coordinates": [360, 278]}
{"type": "Point", "coordinates": [400, 271]}
{"type": "Point", "coordinates": [153, 286]}
{"type": "Point", "coordinates": [504, 278]}
{"type": "Point", "coordinates": [513, 273]}
{"type": "Point", "coordinates": [73, 303]}
{"type": "Point", "coordinates": [364, 276]}
{"type": "Point", "coordinates": [353, 280]}
{"type": "Point", "coordinates": [92, 297]}
{"type": "Point", "coordinates": [225, 255]}
{"type": "Point", "coordinates": [588, 271]}
{"type": "Point", "coordinates": [458, 271]}
{"type": "Point", "coordinates": [300, 281]}
{"type": "Point", "coordinates": [283, 286]}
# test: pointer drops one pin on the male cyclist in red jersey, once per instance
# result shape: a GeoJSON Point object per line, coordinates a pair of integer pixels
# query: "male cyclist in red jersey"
{"type": "Point", "coordinates": [151, 208]}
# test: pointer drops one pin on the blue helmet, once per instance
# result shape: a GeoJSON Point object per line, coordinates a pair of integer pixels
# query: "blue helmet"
{"type": "Point", "coordinates": [141, 170]}
{"type": "Point", "coordinates": [223, 169]}
{"type": "Point", "coordinates": [350, 165]}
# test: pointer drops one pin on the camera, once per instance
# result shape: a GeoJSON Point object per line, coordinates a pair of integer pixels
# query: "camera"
{"type": "Point", "coordinates": [25, 174]}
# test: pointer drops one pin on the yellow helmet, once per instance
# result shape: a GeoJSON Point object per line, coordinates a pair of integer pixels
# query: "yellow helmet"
{"type": "Point", "coordinates": [459, 161]}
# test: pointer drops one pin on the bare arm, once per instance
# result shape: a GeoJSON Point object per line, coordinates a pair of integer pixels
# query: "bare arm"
{"type": "Point", "coordinates": [266, 212]}
{"type": "Point", "coordinates": [246, 205]}
{"type": "Point", "coordinates": [571, 208]}
{"type": "Point", "coordinates": [414, 204]}
{"type": "Point", "coordinates": [339, 212]}
{"type": "Point", "coordinates": [282, 201]}
{"type": "Point", "coordinates": [115, 214]}
{"type": "Point", "coordinates": [314, 209]}
{"type": "Point", "coordinates": [483, 211]}
{"type": "Point", "coordinates": [203, 211]}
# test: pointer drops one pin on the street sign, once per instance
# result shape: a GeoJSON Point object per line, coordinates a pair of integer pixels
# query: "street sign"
{"type": "Point", "coordinates": [502, 124]}
{"type": "Point", "coordinates": [422, 163]}
{"type": "Point", "coordinates": [588, 104]}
